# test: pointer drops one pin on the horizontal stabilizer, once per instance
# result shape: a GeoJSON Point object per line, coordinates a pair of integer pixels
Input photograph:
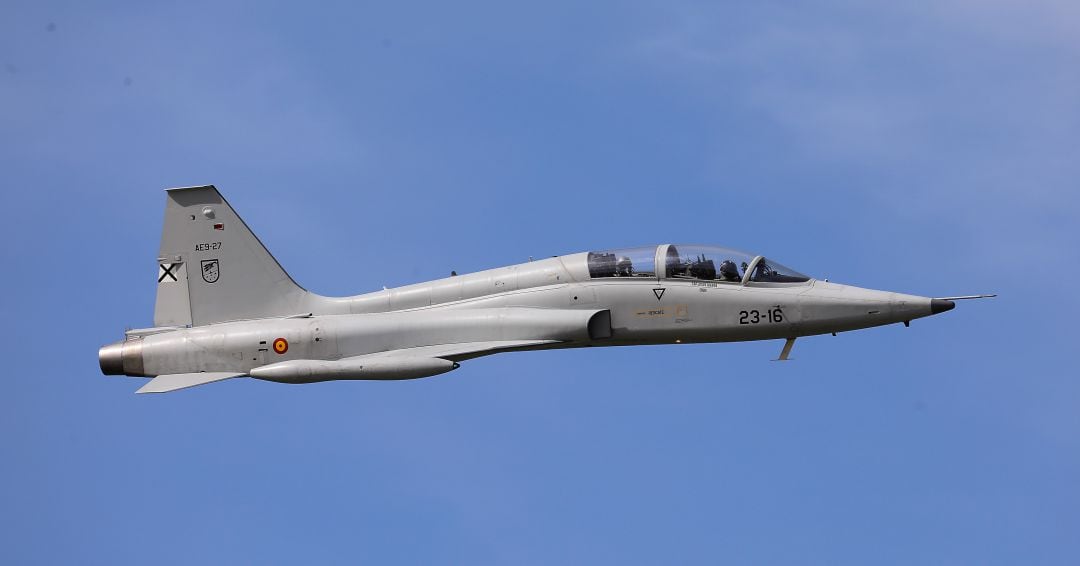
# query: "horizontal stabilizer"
{"type": "Point", "coordinates": [173, 382]}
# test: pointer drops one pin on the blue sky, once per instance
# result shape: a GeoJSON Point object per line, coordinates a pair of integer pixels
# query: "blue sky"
{"type": "Point", "coordinates": [930, 148]}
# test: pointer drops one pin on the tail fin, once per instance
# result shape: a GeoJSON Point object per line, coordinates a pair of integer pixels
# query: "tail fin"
{"type": "Point", "coordinates": [212, 268]}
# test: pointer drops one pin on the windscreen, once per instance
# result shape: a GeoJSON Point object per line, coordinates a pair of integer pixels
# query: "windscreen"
{"type": "Point", "coordinates": [768, 271]}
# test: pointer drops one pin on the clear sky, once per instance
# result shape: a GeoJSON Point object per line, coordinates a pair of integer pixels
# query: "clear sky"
{"type": "Point", "coordinates": [928, 147]}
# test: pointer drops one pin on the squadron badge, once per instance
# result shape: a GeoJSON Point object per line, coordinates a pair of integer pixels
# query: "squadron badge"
{"type": "Point", "coordinates": [211, 270]}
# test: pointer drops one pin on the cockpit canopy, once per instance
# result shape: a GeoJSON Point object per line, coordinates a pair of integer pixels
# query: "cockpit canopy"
{"type": "Point", "coordinates": [700, 263]}
{"type": "Point", "coordinates": [628, 262]}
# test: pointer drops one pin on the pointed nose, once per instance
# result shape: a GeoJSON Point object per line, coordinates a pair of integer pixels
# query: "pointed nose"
{"type": "Point", "coordinates": [941, 305]}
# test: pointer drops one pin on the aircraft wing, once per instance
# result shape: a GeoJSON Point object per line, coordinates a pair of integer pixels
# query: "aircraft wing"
{"type": "Point", "coordinates": [458, 352]}
{"type": "Point", "coordinates": [405, 363]}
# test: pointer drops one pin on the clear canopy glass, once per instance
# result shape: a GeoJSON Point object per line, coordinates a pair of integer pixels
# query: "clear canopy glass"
{"type": "Point", "coordinates": [768, 271]}
{"type": "Point", "coordinates": [699, 263]}
{"type": "Point", "coordinates": [712, 263]}
{"type": "Point", "coordinates": [706, 263]}
{"type": "Point", "coordinates": [629, 262]}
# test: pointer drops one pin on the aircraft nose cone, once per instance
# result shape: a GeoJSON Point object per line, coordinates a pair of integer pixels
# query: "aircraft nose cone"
{"type": "Point", "coordinates": [941, 305]}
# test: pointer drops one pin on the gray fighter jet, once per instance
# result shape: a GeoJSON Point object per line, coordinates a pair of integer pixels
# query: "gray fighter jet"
{"type": "Point", "coordinates": [225, 308]}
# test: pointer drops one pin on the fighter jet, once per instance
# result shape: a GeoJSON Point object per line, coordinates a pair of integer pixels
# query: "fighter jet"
{"type": "Point", "coordinates": [225, 308]}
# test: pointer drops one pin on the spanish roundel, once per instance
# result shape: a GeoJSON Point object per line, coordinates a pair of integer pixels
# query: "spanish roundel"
{"type": "Point", "coordinates": [281, 345]}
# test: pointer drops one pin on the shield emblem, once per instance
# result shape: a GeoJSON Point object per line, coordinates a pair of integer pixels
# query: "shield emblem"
{"type": "Point", "coordinates": [211, 270]}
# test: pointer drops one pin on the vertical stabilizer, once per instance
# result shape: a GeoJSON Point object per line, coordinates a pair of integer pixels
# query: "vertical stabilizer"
{"type": "Point", "coordinates": [212, 268]}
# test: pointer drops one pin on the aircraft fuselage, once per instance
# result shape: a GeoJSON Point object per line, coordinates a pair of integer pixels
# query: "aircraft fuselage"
{"type": "Point", "coordinates": [225, 308]}
{"type": "Point", "coordinates": [551, 299]}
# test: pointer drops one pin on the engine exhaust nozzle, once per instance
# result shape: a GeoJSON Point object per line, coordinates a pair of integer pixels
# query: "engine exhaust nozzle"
{"type": "Point", "coordinates": [121, 358]}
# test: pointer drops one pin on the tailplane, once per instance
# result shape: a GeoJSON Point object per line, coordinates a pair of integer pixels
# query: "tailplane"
{"type": "Point", "coordinates": [212, 268]}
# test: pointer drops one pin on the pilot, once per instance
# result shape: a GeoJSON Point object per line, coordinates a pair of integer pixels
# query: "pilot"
{"type": "Point", "coordinates": [728, 271]}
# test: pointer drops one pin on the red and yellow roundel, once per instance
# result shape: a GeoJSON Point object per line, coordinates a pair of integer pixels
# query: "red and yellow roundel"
{"type": "Point", "coordinates": [281, 345]}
